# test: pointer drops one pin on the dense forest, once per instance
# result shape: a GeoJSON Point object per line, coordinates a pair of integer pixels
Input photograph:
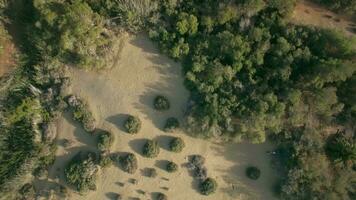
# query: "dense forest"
{"type": "Point", "coordinates": [252, 75]}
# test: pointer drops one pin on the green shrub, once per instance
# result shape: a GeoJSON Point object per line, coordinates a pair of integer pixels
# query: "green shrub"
{"type": "Point", "coordinates": [161, 103]}
{"type": "Point", "coordinates": [208, 186]}
{"type": "Point", "coordinates": [176, 145]}
{"type": "Point", "coordinates": [171, 167]}
{"type": "Point", "coordinates": [81, 172]}
{"type": "Point", "coordinates": [105, 141]}
{"type": "Point", "coordinates": [129, 163]}
{"type": "Point", "coordinates": [253, 173]}
{"type": "Point", "coordinates": [82, 113]}
{"type": "Point", "coordinates": [105, 161]}
{"type": "Point", "coordinates": [132, 124]}
{"type": "Point", "coordinates": [161, 196]}
{"type": "Point", "coordinates": [172, 123]}
{"type": "Point", "coordinates": [151, 149]}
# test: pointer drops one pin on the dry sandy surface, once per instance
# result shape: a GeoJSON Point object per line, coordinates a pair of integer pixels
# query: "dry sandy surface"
{"type": "Point", "coordinates": [310, 13]}
{"type": "Point", "coordinates": [129, 88]}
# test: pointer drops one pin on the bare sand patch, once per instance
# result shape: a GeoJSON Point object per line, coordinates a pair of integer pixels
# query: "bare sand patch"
{"type": "Point", "coordinates": [309, 13]}
{"type": "Point", "coordinates": [129, 88]}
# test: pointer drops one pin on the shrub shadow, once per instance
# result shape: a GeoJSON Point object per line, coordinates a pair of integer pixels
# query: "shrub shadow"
{"type": "Point", "coordinates": [163, 141]}
{"type": "Point", "coordinates": [111, 195]}
{"type": "Point", "coordinates": [118, 120]}
{"type": "Point", "coordinates": [161, 164]}
{"type": "Point", "coordinates": [137, 145]}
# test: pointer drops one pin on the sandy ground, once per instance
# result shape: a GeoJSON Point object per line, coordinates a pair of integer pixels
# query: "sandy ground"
{"type": "Point", "coordinates": [129, 88]}
{"type": "Point", "coordinates": [310, 13]}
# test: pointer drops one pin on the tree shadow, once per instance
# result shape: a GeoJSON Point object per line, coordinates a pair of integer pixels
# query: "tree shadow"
{"type": "Point", "coordinates": [111, 195]}
{"type": "Point", "coordinates": [163, 141]}
{"type": "Point", "coordinates": [154, 195]}
{"type": "Point", "coordinates": [118, 120]}
{"type": "Point", "coordinates": [162, 164]}
{"type": "Point", "coordinates": [137, 145]}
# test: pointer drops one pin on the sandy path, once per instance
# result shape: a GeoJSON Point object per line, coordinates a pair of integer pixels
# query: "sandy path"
{"type": "Point", "coordinates": [129, 88]}
{"type": "Point", "coordinates": [310, 13]}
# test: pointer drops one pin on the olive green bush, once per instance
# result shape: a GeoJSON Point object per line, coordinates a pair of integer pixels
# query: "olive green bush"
{"type": "Point", "coordinates": [151, 149]}
{"type": "Point", "coordinates": [172, 123]}
{"type": "Point", "coordinates": [208, 186]}
{"type": "Point", "coordinates": [105, 140]}
{"type": "Point", "coordinates": [129, 163]}
{"type": "Point", "coordinates": [171, 167]}
{"type": "Point", "coordinates": [82, 113]}
{"type": "Point", "coordinates": [132, 124]}
{"type": "Point", "coordinates": [176, 145]}
{"type": "Point", "coordinates": [161, 103]}
{"type": "Point", "coordinates": [253, 172]}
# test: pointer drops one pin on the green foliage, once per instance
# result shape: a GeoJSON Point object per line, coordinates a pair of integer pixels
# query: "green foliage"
{"type": "Point", "coordinates": [82, 113]}
{"type": "Point", "coordinates": [161, 103]}
{"type": "Point", "coordinates": [171, 167]}
{"type": "Point", "coordinates": [208, 186]}
{"type": "Point", "coordinates": [105, 161]}
{"type": "Point", "coordinates": [81, 172]}
{"type": "Point", "coordinates": [172, 123]}
{"type": "Point", "coordinates": [76, 34]}
{"type": "Point", "coordinates": [253, 173]}
{"type": "Point", "coordinates": [129, 163]}
{"type": "Point", "coordinates": [348, 6]}
{"type": "Point", "coordinates": [151, 149]}
{"type": "Point", "coordinates": [176, 145]}
{"type": "Point", "coordinates": [341, 147]}
{"type": "Point", "coordinates": [105, 141]}
{"type": "Point", "coordinates": [132, 124]}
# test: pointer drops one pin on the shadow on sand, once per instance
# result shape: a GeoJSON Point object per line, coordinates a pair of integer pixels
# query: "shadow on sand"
{"type": "Point", "coordinates": [118, 120]}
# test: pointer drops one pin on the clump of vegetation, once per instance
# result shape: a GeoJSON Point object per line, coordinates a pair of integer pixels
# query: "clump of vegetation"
{"type": "Point", "coordinates": [172, 123]}
{"type": "Point", "coordinates": [151, 149]}
{"type": "Point", "coordinates": [81, 172]}
{"type": "Point", "coordinates": [253, 173]}
{"type": "Point", "coordinates": [341, 147]}
{"type": "Point", "coordinates": [129, 163]}
{"type": "Point", "coordinates": [161, 196]}
{"type": "Point", "coordinates": [208, 186]}
{"type": "Point", "coordinates": [105, 140]}
{"type": "Point", "coordinates": [161, 103]}
{"type": "Point", "coordinates": [82, 113]}
{"type": "Point", "coordinates": [105, 161]}
{"type": "Point", "coordinates": [171, 167]}
{"type": "Point", "coordinates": [132, 124]}
{"type": "Point", "coordinates": [27, 191]}
{"type": "Point", "coordinates": [176, 145]}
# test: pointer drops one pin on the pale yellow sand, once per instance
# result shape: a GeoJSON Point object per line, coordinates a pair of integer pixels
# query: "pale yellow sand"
{"type": "Point", "coordinates": [129, 88]}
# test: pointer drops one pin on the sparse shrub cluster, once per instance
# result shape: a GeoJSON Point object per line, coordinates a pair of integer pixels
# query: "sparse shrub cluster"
{"type": "Point", "coordinates": [176, 145]}
{"type": "Point", "coordinates": [151, 149]}
{"type": "Point", "coordinates": [105, 161]}
{"type": "Point", "coordinates": [105, 140]}
{"type": "Point", "coordinates": [208, 186]}
{"type": "Point", "coordinates": [82, 113]}
{"type": "Point", "coordinates": [172, 124]}
{"type": "Point", "coordinates": [171, 167]}
{"type": "Point", "coordinates": [129, 163]}
{"type": "Point", "coordinates": [81, 172]}
{"type": "Point", "coordinates": [253, 172]}
{"type": "Point", "coordinates": [161, 103]}
{"type": "Point", "coordinates": [132, 124]}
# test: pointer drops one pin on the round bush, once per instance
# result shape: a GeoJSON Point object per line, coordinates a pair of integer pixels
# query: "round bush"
{"type": "Point", "coordinates": [171, 167]}
{"type": "Point", "coordinates": [208, 186]}
{"type": "Point", "coordinates": [129, 163]}
{"type": "Point", "coordinates": [176, 145]}
{"type": "Point", "coordinates": [132, 124]}
{"type": "Point", "coordinates": [161, 103]}
{"type": "Point", "coordinates": [161, 196]}
{"type": "Point", "coordinates": [172, 123]}
{"type": "Point", "coordinates": [105, 141]}
{"type": "Point", "coordinates": [253, 173]}
{"type": "Point", "coordinates": [150, 149]}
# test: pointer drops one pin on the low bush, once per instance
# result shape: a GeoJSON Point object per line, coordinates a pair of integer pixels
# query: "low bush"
{"type": "Point", "coordinates": [151, 149]}
{"type": "Point", "coordinates": [172, 123]}
{"type": "Point", "coordinates": [253, 173]}
{"type": "Point", "coordinates": [82, 113]}
{"type": "Point", "coordinates": [171, 167]}
{"type": "Point", "coordinates": [176, 145]}
{"type": "Point", "coordinates": [208, 186]}
{"type": "Point", "coordinates": [197, 160]}
{"type": "Point", "coordinates": [105, 141]}
{"type": "Point", "coordinates": [161, 103]}
{"type": "Point", "coordinates": [132, 124]}
{"type": "Point", "coordinates": [129, 163]}
{"type": "Point", "coordinates": [81, 172]}
{"type": "Point", "coordinates": [105, 161]}
{"type": "Point", "coordinates": [161, 196]}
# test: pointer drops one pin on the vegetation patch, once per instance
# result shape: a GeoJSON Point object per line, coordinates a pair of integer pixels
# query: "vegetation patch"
{"type": "Point", "coordinates": [82, 113]}
{"type": "Point", "coordinates": [161, 103]}
{"type": "Point", "coordinates": [129, 163]}
{"type": "Point", "coordinates": [151, 149]}
{"type": "Point", "coordinates": [208, 186]}
{"type": "Point", "coordinates": [81, 172]}
{"type": "Point", "coordinates": [132, 124]}
{"type": "Point", "coordinates": [253, 173]}
{"type": "Point", "coordinates": [177, 145]}
{"type": "Point", "coordinates": [105, 140]}
{"type": "Point", "coordinates": [172, 124]}
{"type": "Point", "coordinates": [171, 167]}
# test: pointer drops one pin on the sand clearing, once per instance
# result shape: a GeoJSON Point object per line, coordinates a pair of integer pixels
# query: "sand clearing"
{"type": "Point", "coordinates": [310, 13]}
{"type": "Point", "coordinates": [129, 88]}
